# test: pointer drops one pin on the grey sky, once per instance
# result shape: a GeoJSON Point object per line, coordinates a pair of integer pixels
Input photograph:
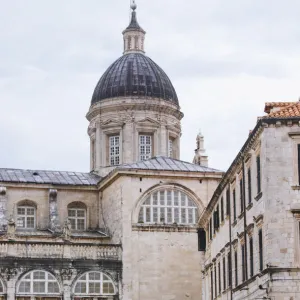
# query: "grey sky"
{"type": "Point", "coordinates": [225, 59]}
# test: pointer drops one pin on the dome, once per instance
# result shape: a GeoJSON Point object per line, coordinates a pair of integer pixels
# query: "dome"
{"type": "Point", "coordinates": [135, 74]}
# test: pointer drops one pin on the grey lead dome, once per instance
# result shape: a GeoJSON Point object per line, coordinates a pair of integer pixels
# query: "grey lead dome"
{"type": "Point", "coordinates": [134, 74]}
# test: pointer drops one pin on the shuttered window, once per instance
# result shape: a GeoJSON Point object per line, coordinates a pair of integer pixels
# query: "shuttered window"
{"type": "Point", "coordinates": [229, 269]}
{"type": "Point", "coordinates": [224, 273]}
{"type": "Point", "coordinates": [241, 195]}
{"type": "Point", "coordinates": [227, 202]}
{"type": "Point", "coordinates": [234, 204]}
{"type": "Point", "coordinates": [222, 209]}
{"type": "Point", "coordinates": [236, 267]}
{"type": "Point", "coordinates": [251, 257]}
{"type": "Point", "coordinates": [201, 239]}
{"type": "Point", "coordinates": [260, 249]}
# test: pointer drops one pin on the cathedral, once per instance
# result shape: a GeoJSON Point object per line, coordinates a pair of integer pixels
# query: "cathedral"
{"type": "Point", "coordinates": [144, 225]}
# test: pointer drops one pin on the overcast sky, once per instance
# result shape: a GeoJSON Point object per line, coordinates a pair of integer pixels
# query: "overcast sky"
{"type": "Point", "coordinates": [225, 59]}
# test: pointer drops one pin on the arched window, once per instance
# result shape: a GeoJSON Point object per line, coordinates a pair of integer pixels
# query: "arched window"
{"type": "Point", "coordinates": [26, 215]}
{"type": "Point", "coordinates": [38, 283]}
{"type": "Point", "coordinates": [168, 206]}
{"type": "Point", "coordinates": [94, 284]}
{"type": "Point", "coordinates": [77, 216]}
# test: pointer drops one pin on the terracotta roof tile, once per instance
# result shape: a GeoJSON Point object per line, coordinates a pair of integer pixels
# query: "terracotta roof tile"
{"type": "Point", "coordinates": [291, 110]}
{"type": "Point", "coordinates": [270, 105]}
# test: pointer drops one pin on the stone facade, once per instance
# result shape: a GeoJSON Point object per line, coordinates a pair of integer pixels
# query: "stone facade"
{"type": "Point", "coordinates": [263, 217]}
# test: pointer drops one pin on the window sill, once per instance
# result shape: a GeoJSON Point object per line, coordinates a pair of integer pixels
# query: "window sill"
{"type": "Point", "coordinates": [296, 187]}
{"type": "Point", "coordinates": [164, 227]}
{"type": "Point", "coordinates": [259, 195]}
{"type": "Point", "coordinates": [250, 205]}
{"type": "Point", "coordinates": [234, 223]}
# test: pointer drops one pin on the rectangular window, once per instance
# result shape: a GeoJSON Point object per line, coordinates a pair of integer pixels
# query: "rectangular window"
{"type": "Point", "coordinates": [258, 174]}
{"type": "Point", "coordinates": [227, 202]}
{"type": "Point", "coordinates": [216, 286]}
{"type": "Point", "coordinates": [229, 269]}
{"type": "Point", "coordinates": [222, 209]}
{"type": "Point", "coordinates": [114, 150]}
{"type": "Point", "coordinates": [211, 285]}
{"type": "Point", "coordinates": [219, 273]}
{"type": "Point", "coordinates": [260, 249]}
{"type": "Point", "coordinates": [241, 195]}
{"type": "Point", "coordinates": [77, 218]}
{"type": "Point", "coordinates": [224, 273]}
{"type": "Point", "coordinates": [234, 204]}
{"type": "Point", "coordinates": [249, 186]}
{"type": "Point", "coordinates": [243, 262]}
{"type": "Point", "coordinates": [236, 267]}
{"type": "Point", "coordinates": [26, 217]}
{"type": "Point", "coordinates": [201, 239]}
{"type": "Point", "coordinates": [145, 147]}
{"type": "Point", "coordinates": [251, 257]}
{"type": "Point", "coordinates": [210, 227]}
{"type": "Point", "coordinates": [170, 147]}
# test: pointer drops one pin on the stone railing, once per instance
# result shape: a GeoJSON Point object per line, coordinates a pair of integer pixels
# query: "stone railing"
{"type": "Point", "coordinates": [59, 250]}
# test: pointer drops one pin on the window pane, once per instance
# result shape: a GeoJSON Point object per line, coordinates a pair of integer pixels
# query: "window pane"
{"type": "Point", "coordinates": [72, 213]}
{"type": "Point", "coordinates": [73, 225]}
{"type": "Point", "coordinates": [21, 211]}
{"type": "Point", "coordinates": [39, 287]}
{"type": "Point", "coordinates": [21, 222]}
{"type": "Point", "coordinates": [53, 287]}
{"type": "Point", "coordinates": [39, 275]}
{"type": "Point", "coordinates": [80, 213]}
{"type": "Point", "coordinates": [30, 222]}
{"type": "Point", "coordinates": [30, 211]}
{"type": "Point", "coordinates": [80, 224]}
{"type": "Point", "coordinates": [80, 288]}
{"type": "Point", "coordinates": [24, 287]}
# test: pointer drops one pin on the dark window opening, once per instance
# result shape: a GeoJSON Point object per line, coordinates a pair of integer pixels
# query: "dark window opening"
{"type": "Point", "coordinates": [210, 228]}
{"type": "Point", "coordinates": [258, 174]}
{"type": "Point", "coordinates": [224, 273]}
{"type": "Point", "coordinates": [234, 205]}
{"type": "Point", "coordinates": [241, 195]}
{"type": "Point", "coordinates": [243, 263]}
{"type": "Point", "coordinates": [251, 257]}
{"type": "Point", "coordinates": [249, 186]}
{"type": "Point", "coordinates": [222, 209]}
{"type": "Point", "coordinates": [236, 267]}
{"type": "Point", "coordinates": [227, 202]}
{"type": "Point", "coordinates": [201, 239]}
{"type": "Point", "coordinates": [216, 286]}
{"type": "Point", "coordinates": [211, 285]}
{"type": "Point", "coordinates": [260, 247]}
{"type": "Point", "coordinates": [229, 269]}
{"type": "Point", "coordinates": [219, 271]}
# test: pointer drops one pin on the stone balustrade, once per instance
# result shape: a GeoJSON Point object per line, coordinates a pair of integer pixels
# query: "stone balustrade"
{"type": "Point", "coordinates": [59, 250]}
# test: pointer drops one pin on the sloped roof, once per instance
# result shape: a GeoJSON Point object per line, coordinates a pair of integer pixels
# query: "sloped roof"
{"type": "Point", "coordinates": [162, 163]}
{"type": "Point", "coordinates": [291, 110]}
{"type": "Point", "coordinates": [48, 177]}
{"type": "Point", "coordinates": [270, 105]}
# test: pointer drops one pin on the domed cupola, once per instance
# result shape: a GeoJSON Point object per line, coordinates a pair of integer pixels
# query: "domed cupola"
{"type": "Point", "coordinates": [134, 114]}
{"type": "Point", "coordinates": [134, 74]}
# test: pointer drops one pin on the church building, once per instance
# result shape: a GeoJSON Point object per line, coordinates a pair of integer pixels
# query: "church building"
{"type": "Point", "coordinates": [129, 228]}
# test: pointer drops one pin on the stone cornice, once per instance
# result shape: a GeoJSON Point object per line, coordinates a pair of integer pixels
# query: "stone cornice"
{"type": "Point", "coordinates": [129, 104]}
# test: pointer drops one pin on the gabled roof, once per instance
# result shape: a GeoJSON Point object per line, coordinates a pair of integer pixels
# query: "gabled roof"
{"type": "Point", "coordinates": [162, 163]}
{"type": "Point", "coordinates": [48, 177]}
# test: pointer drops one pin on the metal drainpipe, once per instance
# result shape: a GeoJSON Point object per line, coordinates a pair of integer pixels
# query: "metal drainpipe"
{"type": "Point", "coordinates": [245, 223]}
{"type": "Point", "coordinates": [230, 241]}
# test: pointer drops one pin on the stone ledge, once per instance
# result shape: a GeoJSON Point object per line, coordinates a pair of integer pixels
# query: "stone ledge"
{"type": "Point", "coordinates": [296, 187]}
{"type": "Point", "coordinates": [259, 195]}
{"type": "Point", "coordinates": [234, 223]}
{"type": "Point", "coordinates": [250, 205]}
{"type": "Point", "coordinates": [164, 228]}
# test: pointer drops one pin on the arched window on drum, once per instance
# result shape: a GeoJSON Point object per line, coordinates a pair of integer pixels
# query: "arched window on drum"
{"type": "Point", "coordinates": [169, 206]}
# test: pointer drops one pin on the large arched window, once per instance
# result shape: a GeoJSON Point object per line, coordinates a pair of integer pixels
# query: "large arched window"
{"type": "Point", "coordinates": [38, 283]}
{"type": "Point", "coordinates": [168, 206]}
{"type": "Point", "coordinates": [94, 284]}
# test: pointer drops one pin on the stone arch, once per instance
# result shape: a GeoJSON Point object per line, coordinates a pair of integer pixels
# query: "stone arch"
{"type": "Point", "coordinates": [94, 283]}
{"type": "Point", "coordinates": [198, 204]}
{"type": "Point", "coordinates": [38, 282]}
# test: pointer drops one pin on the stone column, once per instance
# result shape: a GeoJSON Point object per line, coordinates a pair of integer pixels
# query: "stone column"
{"type": "Point", "coordinates": [53, 211]}
{"type": "Point", "coordinates": [98, 162]}
{"type": "Point", "coordinates": [3, 208]}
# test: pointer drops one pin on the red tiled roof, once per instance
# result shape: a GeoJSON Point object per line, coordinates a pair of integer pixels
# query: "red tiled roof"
{"type": "Point", "coordinates": [290, 110]}
{"type": "Point", "coordinates": [270, 105]}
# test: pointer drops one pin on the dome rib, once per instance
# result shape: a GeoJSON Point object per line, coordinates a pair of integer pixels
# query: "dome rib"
{"type": "Point", "coordinates": [134, 74]}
